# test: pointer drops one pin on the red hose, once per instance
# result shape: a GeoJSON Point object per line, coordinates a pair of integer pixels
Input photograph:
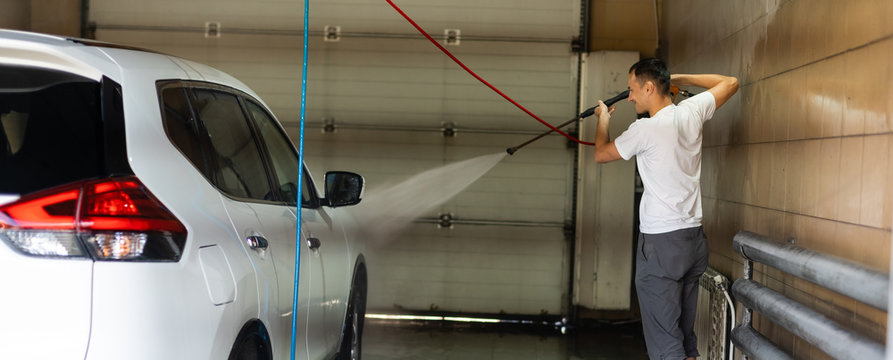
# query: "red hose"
{"type": "Point", "coordinates": [445, 51]}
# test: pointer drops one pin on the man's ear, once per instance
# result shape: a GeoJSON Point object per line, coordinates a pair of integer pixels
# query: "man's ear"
{"type": "Point", "coordinates": [649, 87]}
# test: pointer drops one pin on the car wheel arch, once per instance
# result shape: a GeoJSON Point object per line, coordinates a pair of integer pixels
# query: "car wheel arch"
{"type": "Point", "coordinates": [252, 342]}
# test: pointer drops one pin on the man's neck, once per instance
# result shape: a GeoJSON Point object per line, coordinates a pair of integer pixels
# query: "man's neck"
{"type": "Point", "coordinates": [660, 105]}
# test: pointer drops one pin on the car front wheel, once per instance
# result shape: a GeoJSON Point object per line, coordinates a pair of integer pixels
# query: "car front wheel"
{"type": "Point", "coordinates": [352, 330]}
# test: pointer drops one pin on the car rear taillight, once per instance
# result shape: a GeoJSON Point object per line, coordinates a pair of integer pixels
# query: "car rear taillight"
{"type": "Point", "coordinates": [109, 219]}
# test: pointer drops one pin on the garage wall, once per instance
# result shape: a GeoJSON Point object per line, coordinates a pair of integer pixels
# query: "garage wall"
{"type": "Point", "coordinates": [388, 92]}
{"type": "Point", "coordinates": [803, 152]}
{"type": "Point", "coordinates": [606, 194]}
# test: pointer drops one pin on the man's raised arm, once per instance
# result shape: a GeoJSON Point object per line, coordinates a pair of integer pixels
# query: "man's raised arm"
{"type": "Point", "coordinates": [722, 87]}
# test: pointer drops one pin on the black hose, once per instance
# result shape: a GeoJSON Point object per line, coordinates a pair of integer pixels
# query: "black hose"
{"type": "Point", "coordinates": [588, 112]}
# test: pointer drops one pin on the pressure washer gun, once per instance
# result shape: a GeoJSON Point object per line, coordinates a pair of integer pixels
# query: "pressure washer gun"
{"type": "Point", "coordinates": [674, 90]}
{"type": "Point", "coordinates": [582, 115]}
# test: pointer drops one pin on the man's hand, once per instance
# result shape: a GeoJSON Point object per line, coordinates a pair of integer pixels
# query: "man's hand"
{"type": "Point", "coordinates": [605, 150]}
{"type": "Point", "coordinates": [603, 109]}
{"type": "Point", "coordinates": [722, 87]}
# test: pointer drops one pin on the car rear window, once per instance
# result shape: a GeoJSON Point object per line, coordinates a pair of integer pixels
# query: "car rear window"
{"type": "Point", "coordinates": [50, 129]}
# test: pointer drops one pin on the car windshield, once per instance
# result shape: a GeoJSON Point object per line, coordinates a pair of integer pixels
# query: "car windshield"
{"type": "Point", "coordinates": [50, 129]}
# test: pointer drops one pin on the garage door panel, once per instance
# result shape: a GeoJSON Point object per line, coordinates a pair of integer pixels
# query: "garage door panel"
{"type": "Point", "coordinates": [505, 186]}
{"type": "Point", "coordinates": [512, 201]}
{"type": "Point", "coordinates": [371, 86]}
{"type": "Point", "coordinates": [360, 86]}
{"type": "Point", "coordinates": [474, 269]}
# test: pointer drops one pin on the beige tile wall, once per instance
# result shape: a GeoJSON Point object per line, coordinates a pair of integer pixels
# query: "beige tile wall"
{"type": "Point", "coordinates": [805, 149]}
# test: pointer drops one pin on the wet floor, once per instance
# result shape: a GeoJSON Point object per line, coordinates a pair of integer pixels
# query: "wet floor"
{"type": "Point", "coordinates": [386, 340]}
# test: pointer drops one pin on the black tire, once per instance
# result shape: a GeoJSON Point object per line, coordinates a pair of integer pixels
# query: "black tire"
{"type": "Point", "coordinates": [352, 330]}
{"type": "Point", "coordinates": [253, 343]}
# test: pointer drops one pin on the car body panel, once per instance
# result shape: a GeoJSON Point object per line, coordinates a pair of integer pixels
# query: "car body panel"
{"type": "Point", "coordinates": [172, 310]}
{"type": "Point", "coordinates": [44, 300]}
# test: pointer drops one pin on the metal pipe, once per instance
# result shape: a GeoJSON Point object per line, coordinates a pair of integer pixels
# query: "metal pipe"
{"type": "Point", "coordinates": [806, 323]}
{"type": "Point", "coordinates": [754, 344]}
{"type": "Point", "coordinates": [492, 222]}
{"type": "Point", "coordinates": [320, 34]}
{"type": "Point", "coordinates": [747, 313]}
{"type": "Point", "coordinates": [845, 277]}
{"type": "Point", "coordinates": [377, 127]}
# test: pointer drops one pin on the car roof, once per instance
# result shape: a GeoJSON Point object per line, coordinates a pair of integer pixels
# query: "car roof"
{"type": "Point", "coordinates": [94, 59]}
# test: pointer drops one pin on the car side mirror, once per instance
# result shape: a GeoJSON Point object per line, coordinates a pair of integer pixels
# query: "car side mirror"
{"type": "Point", "coordinates": [343, 188]}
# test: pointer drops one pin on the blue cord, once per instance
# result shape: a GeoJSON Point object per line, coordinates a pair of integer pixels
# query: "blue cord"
{"type": "Point", "coordinates": [298, 244]}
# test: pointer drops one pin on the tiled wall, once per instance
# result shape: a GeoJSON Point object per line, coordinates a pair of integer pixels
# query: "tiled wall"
{"type": "Point", "coordinates": [804, 151]}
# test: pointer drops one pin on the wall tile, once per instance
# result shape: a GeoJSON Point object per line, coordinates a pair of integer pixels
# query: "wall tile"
{"type": "Point", "coordinates": [784, 18]}
{"type": "Point", "coordinates": [767, 116]}
{"type": "Point", "coordinates": [873, 249]}
{"type": "Point", "coordinates": [833, 90]}
{"type": "Point", "coordinates": [829, 166]}
{"type": "Point", "coordinates": [811, 172]}
{"type": "Point", "coordinates": [778, 173]}
{"type": "Point", "coordinates": [814, 100]}
{"type": "Point", "coordinates": [819, 18]}
{"type": "Point", "coordinates": [780, 106]}
{"type": "Point", "coordinates": [763, 174]}
{"type": "Point", "coordinates": [887, 192]}
{"type": "Point", "coordinates": [865, 20]}
{"type": "Point", "coordinates": [794, 168]}
{"type": "Point", "coordinates": [824, 238]}
{"type": "Point", "coordinates": [858, 77]}
{"type": "Point", "coordinates": [849, 194]}
{"type": "Point", "coordinates": [760, 61]}
{"type": "Point", "coordinates": [837, 39]}
{"type": "Point", "coordinates": [797, 113]}
{"type": "Point", "coordinates": [848, 241]}
{"type": "Point", "coordinates": [800, 31]}
{"type": "Point", "coordinates": [773, 39]}
{"type": "Point", "coordinates": [876, 161]}
{"type": "Point", "coordinates": [751, 174]}
{"type": "Point", "coordinates": [747, 127]}
{"type": "Point", "coordinates": [876, 113]}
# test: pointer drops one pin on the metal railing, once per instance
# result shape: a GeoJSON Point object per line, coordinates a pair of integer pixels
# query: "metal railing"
{"type": "Point", "coordinates": [842, 276]}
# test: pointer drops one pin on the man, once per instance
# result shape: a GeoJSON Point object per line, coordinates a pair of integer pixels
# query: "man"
{"type": "Point", "coordinates": [672, 249]}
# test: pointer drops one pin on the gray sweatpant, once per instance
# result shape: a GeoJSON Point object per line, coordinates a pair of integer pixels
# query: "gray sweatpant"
{"type": "Point", "coordinates": [668, 267]}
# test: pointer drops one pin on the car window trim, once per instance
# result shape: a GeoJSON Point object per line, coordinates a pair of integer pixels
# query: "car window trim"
{"type": "Point", "coordinates": [314, 197]}
{"type": "Point", "coordinates": [205, 142]}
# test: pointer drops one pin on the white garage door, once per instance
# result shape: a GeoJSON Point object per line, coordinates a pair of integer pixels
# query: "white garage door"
{"type": "Point", "coordinates": [388, 93]}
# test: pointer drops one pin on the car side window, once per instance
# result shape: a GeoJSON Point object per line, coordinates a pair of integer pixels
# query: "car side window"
{"type": "Point", "coordinates": [284, 159]}
{"type": "Point", "coordinates": [180, 126]}
{"type": "Point", "coordinates": [237, 167]}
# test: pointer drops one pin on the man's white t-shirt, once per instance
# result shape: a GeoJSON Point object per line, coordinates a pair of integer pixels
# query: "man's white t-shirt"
{"type": "Point", "coordinates": [668, 154]}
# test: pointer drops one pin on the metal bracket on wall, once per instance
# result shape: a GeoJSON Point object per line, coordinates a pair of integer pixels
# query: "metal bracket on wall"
{"type": "Point", "coordinates": [452, 36]}
{"type": "Point", "coordinates": [446, 221]}
{"type": "Point", "coordinates": [212, 29]}
{"type": "Point", "coordinates": [332, 33]}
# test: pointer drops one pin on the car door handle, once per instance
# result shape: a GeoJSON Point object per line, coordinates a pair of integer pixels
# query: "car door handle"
{"type": "Point", "coordinates": [256, 242]}
{"type": "Point", "coordinates": [313, 243]}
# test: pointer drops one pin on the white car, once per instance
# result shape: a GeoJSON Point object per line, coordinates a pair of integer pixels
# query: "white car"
{"type": "Point", "coordinates": [148, 210]}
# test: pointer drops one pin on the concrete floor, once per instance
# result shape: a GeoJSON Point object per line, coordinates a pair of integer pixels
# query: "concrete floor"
{"type": "Point", "coordinates": [390, 340]}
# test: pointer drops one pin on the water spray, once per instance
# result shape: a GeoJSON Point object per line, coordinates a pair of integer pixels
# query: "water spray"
{"type": "Point", "coordinates": [582, 115]}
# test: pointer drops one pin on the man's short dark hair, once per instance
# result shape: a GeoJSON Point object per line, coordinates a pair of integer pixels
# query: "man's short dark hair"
{"type": "Point", "coordinates": [655, 70]}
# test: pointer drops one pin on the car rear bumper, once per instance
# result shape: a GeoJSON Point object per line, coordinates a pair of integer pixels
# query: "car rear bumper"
{"type": "Point", "coordinates": [45, 306]}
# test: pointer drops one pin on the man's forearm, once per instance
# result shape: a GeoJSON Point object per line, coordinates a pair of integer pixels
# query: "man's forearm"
{"type": "Point", "coordinates": [722, 87]}
{"type": "Point", "coordinates": [601, 132]}
{"type": "Point", "coordinates": [700, 80]}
